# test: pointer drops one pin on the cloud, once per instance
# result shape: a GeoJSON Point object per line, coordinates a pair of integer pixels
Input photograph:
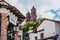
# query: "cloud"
{"type": "Point", "coordinates": [40, 5]}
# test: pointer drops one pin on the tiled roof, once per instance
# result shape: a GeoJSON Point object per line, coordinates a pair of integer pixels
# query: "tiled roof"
{"type": "Point", "coordinates": [15, 11]}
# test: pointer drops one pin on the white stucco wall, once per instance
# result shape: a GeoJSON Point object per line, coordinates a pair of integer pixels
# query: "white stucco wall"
{"type": "Point", "coordinates": [4, 10]}
{"type": "Point", "coordinates": [32, 36]}
{"type": "Point", "coordinates": [30, 31]}
{"type": "Point", "coordinates": [20, 33]}
{"type": "Point", "coordinates": [58, 29]}
{"type": "Point", "coordinates": [49, 29]}
{"type": "Point", "coordinates": [12, 16]}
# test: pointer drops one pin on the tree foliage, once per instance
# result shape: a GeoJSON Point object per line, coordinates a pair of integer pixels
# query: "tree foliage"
{"type": "Point", "coordinates": [40, 19]}
{"type": "Point", "coordinates": [28, 26]}
{"type": "Point", "coordinates": [31, 25]}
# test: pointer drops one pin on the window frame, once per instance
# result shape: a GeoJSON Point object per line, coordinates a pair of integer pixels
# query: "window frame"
{"type": "Point", "coordinates": [42, 35]}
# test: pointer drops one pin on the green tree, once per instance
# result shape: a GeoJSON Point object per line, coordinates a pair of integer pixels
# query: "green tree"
{"type": "Point", "coordinates": [40, 19]}
{"type": "Point", "coordinates": [28, 26]}
{"type": "Point", "coordinates": [31, 25]}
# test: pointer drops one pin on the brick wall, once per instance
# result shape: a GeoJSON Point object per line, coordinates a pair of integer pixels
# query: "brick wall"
{"type": "Point", "coordinates": [3, 27]}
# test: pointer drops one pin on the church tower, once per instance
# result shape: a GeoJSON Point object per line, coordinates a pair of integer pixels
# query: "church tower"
{"type": "Point", "coordinates": [28, 17]}
{"type": "Point", "coordinates": [33, 14]}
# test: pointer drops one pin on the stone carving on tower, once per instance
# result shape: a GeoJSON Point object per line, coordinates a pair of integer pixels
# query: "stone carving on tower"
{"type": "Point", "coordinates": [31, 16]}
{"type": "Point", "coordinates": [28, 17]}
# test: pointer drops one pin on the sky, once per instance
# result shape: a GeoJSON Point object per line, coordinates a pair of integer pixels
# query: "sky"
{"type": "Point", "coordinates": [43, 7]}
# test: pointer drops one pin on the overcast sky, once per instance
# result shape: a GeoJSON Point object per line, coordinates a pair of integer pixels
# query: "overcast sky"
{"type": "Point", "coordinates": [41, 6]}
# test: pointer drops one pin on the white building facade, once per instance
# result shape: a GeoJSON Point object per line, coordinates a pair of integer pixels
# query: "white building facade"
{"type": "Point", "coordinates": [50, 30]}
{"type": "Point", "coordinates": [32, 36]}
{"type": "Point", "coordinates": [20, 35]}
{"type": "Point", "coordinates": [47, 30]}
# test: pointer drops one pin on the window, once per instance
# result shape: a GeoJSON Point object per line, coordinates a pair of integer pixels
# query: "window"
{"type": "Point", "coordinates": [34, 20]}
{"type": "Point", "coordinates": [42, 35]}
{"type": "Point", "coordinates": [19, 37]}
{"type": "Point", "coordinates": [35, 37]}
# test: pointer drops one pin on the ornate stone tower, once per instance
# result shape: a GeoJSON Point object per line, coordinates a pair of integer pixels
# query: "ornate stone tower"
{"type": "Point", "coordinates": [28, 17]}
{"type": "Point", "coordinates": [33, 14]}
